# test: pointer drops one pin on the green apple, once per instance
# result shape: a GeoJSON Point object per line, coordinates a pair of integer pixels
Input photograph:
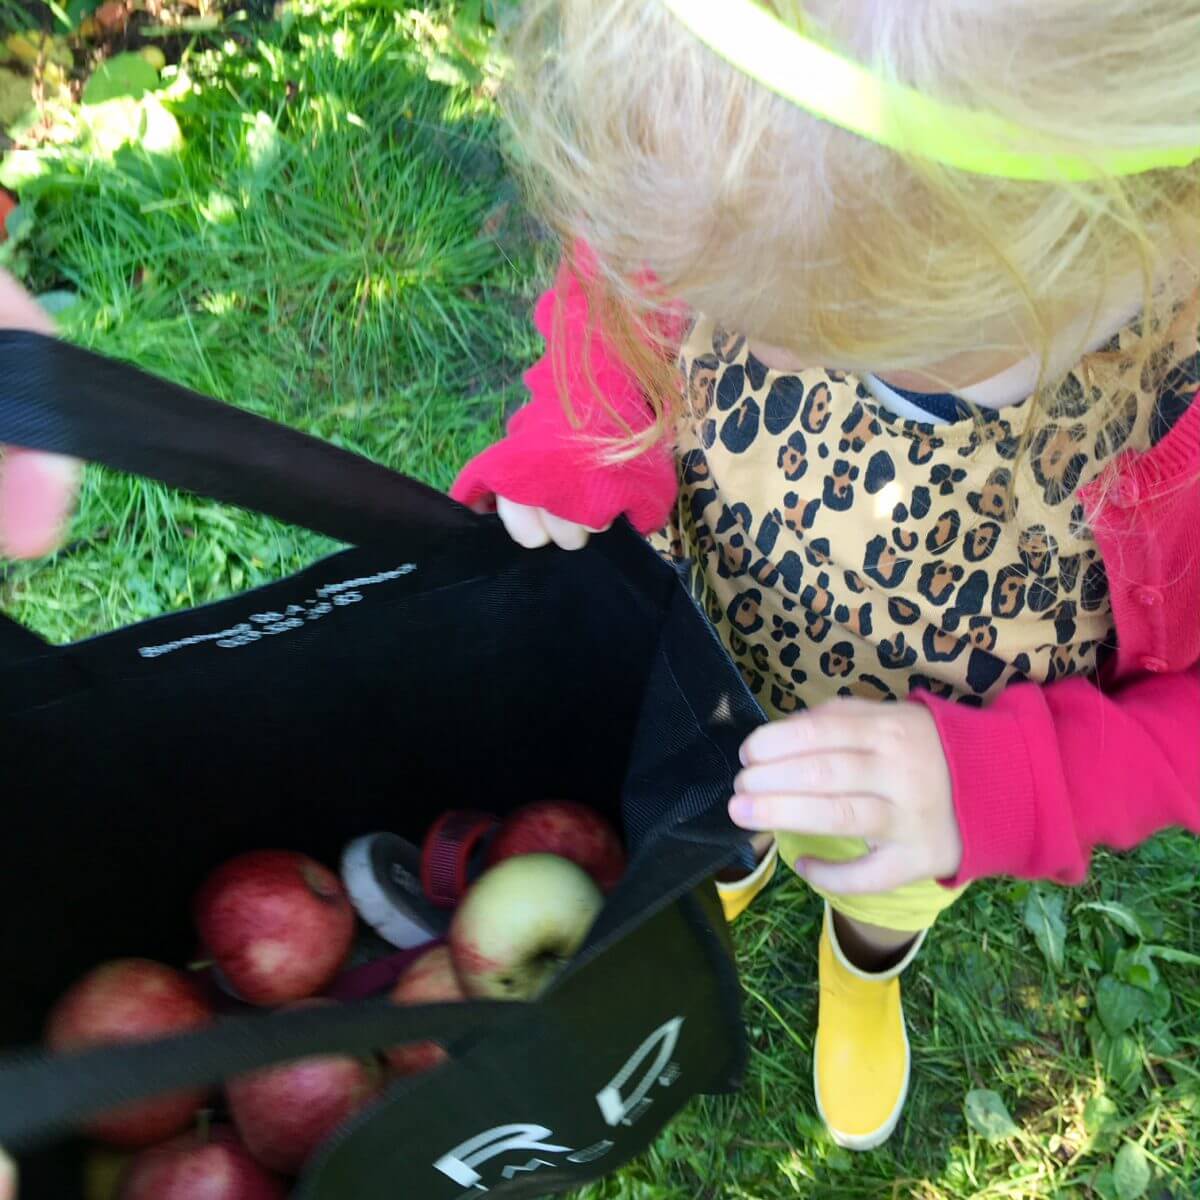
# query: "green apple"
{"type": "Point", "coordinates": [519, 923]}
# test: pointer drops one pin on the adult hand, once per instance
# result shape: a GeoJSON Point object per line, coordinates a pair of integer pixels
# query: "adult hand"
{"type": "Point", "coordinates": [37, 491]}
{"type": "Point", "coordinates": [8, 1178]}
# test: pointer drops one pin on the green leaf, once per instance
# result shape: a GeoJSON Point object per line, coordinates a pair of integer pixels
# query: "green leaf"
{"type": "Point", "coordinates": [160, 133]}
{"type": "Point", "coordinates": [838, 1160]}
{"type": "Point", "coordinates": [988, 1116]}
{"type": "Point", "coordinates": [57, 302]}
{"type": "Point", "coordinates": [19, 168]}
{"type": "Point", "coordinates": [123, 122]}
{"type": "Point", "coordinates": [1120, 915]}
{"type": "Point", "coordinates": [1131, 1172]}
{"type": "Point", "coordinates": [111, 125]}
{"type": "Point", "coordinates": [1158, 1003]}
{"type": "Point", "coordinates": [78, 9]}
{"type": "Point", "coordinates": [219, 208]}
{"type": "Point", "coordinates": [122, 75]}
{"type": "Point", "coordinates": [1136, 967]}
{"type": "Point", "coordinates": [263, 144]}
{"type": "Point", "coordinates": [1159, 1040]}
{"type": "Point", "coordinates": [1171, 955]}
{"type": "Point", "coordinates": [1119, 1004]}
{"type": "Point", "coordinates": [1120, 1057]}
{"type": "Point", "coordinates": [1044, 919]}
{"type": "Point", "coordinates": [1111, 944]}
{"type": "Point", "coordinates": [18, 225]}
{"type": "Point", "coordinates": [1099, 1113]}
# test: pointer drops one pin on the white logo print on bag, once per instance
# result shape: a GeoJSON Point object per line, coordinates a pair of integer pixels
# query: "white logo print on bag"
{"type": "Point", "coordinates": [294, 616]}
{"type": "Point", "coordinates": [618, 1104]}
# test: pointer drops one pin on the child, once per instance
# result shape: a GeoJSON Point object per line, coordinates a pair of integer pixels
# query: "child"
{"type": "Point", "coordinates": [887, 314]}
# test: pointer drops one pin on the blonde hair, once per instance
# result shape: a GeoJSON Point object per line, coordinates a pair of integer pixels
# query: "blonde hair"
{"type": "Point", "coordinates": [637, 139]}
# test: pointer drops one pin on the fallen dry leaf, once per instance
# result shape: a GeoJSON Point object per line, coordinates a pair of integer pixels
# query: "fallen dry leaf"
{"type": "Point", "coordinates": [113, 15]}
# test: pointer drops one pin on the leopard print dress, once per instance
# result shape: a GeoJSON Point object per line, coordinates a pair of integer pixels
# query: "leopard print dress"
{"type": "Point", "coordinates": [841, 550]}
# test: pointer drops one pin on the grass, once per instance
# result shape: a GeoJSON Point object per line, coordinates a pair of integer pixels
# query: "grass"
{"type": "Point", "coordinates": [987, 1013]}
{"type": "Point", "coordinates": [327, 244]}
{"type": "Point", "coordinates": [316, 252]}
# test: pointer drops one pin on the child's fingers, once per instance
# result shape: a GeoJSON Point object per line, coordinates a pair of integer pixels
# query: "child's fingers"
{"type": "Point", "coordinates": [881, 870]}
{"type": "Point", "coordinates": [566, 534]}
{"type": "Point", "coordinates": [827, 773]}
{"type": "Point", "coordinates": [850, 815]}
{"type": "Point", "coordinates": [535, 527]}
{"type": "Point", "coordinates": [842, 726]}
{"type": "Point", "coordinates": [524, 524]}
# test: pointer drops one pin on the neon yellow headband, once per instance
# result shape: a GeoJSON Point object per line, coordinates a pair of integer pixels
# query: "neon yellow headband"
{"type": "Point", "coordinates": [848, 95]}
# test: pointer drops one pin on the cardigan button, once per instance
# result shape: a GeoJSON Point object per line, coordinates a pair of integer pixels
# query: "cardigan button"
{"type": "Point", "coordinates": [1154, 664]}
{"type": "Point", "coordinates": [1149, 597]}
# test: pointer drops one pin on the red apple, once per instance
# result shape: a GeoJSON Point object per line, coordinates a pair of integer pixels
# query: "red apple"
{"type": "Point", "coordinates": [7, 203]}
{"type": "Point", "coordinates": [195, 1168]}
{"type": "Point", "coordinates": [284, 1113]}
{"type": "Point", "coordinates": [430, 980]}
{"type": "Point", "coordinates": [567, 829]}
{"type": "Point", "coordinates": [277, 924]}
{"type": "Point", "coordinates": [519, 924]}
{"type": "Point", "coordinates": [132, 1000]}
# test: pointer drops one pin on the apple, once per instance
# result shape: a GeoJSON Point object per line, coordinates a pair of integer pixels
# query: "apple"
{"type": "Point", "coordinates": [567, 829]}
{"type": "Point", "coordinates": [196, 1168]}
{"type": "Point", "coordinates": [519, 923]}
{"type": "Point", "coordinates": [131, 1000]}
{"type": "Point", "coordinates": [284, 1113]}
{"type": "Point", "coordinates": [373, 977]}
{"type": "Point", "coordinates": [430, 980]}
{"type": "Point", "coordinates": [277, 924]}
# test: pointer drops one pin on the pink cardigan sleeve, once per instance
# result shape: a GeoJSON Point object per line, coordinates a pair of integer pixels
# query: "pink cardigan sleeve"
{"type": "Point", "coordinates": [1045, 774]}
{"type": "Point", "coordinates": [548, 462]}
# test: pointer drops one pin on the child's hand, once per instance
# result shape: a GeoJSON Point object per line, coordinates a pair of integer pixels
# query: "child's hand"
{"type": "Point", "coordinates": [535, 527]}
{"type": "Point", "coordinates": [855, 768]}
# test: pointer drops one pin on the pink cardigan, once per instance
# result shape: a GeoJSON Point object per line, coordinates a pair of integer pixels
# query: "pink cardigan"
{"type": "Point", "coordinates": [1045, 773]}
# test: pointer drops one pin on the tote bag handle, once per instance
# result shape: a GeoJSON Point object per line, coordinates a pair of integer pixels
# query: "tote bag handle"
{"type": "Point", "coordinates": [58, 397]}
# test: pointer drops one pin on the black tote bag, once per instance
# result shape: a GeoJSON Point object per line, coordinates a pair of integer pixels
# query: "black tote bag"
{"type": "Point", "coordinates": [432, 666]}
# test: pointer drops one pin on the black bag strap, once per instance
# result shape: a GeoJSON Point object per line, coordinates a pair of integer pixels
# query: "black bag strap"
{"type": "Point", "coordinates": [58, 397]}
{"type": "Point", "coordinates": [43, 1095]}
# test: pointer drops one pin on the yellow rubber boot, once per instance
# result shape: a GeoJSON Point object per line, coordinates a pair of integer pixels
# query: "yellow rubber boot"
{"type": "Point", "coordinates": [861, 1059]}
{"type": "Point", "coordinates": [737, 894]}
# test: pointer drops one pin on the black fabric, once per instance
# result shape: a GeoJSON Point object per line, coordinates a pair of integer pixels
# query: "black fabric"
{"type": "Point", "coordinates": [433, 666]}
{"type": "Point", "coordinates": [65, 399]}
